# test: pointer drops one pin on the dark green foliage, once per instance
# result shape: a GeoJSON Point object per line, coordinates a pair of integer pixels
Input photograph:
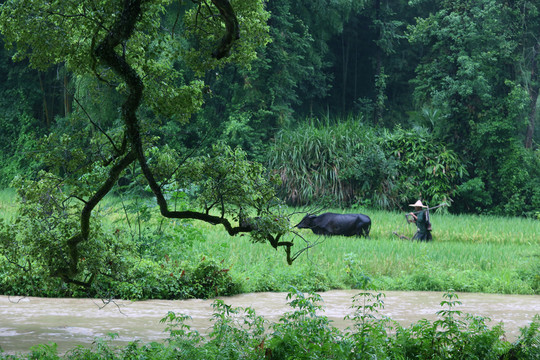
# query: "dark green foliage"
{"type": "Point", "coordinates": [247, 106]}
{"type": "Point", "coordinates": [19, 129]}
{"type": "Point", "coordinates": [465, 74]}
{"type": "Point", "coordinates": [30, 102]}
{"type": "Point", "coordinates": [473, 67]}
{"type": "Point", "coordinates": [528, 344]}
{"type": "Point", "coordinates": [166, 279]}
{"type": "Point", "coordinates": [209, 279]}
{"type": "Point", "coordinates": [143, 279]}
{"type": "Point", "coordinates": [426, 168]}
{"type": "Point", "coordinates": [473, 196]}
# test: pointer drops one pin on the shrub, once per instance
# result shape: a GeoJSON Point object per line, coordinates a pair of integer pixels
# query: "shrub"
{"type": "Point", "coordinates": [427, 169]}
{"type": "Point", "coordinates": [210, 279]}
{"type": "Point", "coordinates": [349, 163]}
{"type": "Point", "coordinates": [304, 334]}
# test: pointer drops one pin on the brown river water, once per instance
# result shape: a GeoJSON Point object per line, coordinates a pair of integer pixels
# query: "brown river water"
{"type": "Point", "coordinates": [25, 322]}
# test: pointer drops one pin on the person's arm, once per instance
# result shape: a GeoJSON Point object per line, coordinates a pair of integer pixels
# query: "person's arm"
{"type": "Point", "coordinates": [413, 217]}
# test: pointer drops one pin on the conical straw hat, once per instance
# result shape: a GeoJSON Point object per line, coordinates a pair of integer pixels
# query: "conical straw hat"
{"type": "Point", "coordinates": [418, 204]}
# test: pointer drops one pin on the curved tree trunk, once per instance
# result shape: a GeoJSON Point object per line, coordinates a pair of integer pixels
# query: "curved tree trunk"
{"type": "Point", "coordinates": [106, 53]}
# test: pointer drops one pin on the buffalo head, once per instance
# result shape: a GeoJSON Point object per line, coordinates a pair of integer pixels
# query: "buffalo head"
{"type": "Point", "coordinates": [307, 222]}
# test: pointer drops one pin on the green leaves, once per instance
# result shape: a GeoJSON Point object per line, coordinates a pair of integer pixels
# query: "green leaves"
{"type": "Point", "coordinates": [470, 48]}
{"type": "Point", "coordinates": [230, 185]}
{"type": "Point", "coordinates": [304, 333]}
{"type": "Point", "coordinates": [426, 168]}
{"type": "Point", "coordinates": [126, 45]}
{"type": "Point", "coordinates": [53, 32]}
{"type": "Point", "coordinates": [47, 219]}
{"type": "Point", "coordinates": [227, 180]}
{"type": "Point", "coordinates": [253, 34]}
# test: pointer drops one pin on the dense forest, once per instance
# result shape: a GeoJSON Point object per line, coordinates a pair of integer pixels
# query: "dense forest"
{"type": "Point", "coordinates": [421, 99]}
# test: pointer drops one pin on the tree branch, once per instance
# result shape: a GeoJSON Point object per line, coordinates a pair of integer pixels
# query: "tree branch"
{"type": "Point", "coordinates": [72, 269]}
{"type": "Point", "coordinates": [108, 56]}
{"type": "Point", "coordinates": [232, 28]}
{"type": "Point", "coordinates": [96, 125]}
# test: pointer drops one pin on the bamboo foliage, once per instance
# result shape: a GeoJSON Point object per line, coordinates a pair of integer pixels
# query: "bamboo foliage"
{"type": "Point", "coordinates": [347, 163]}
{"type": "Point", "coordinates": [310, 159]}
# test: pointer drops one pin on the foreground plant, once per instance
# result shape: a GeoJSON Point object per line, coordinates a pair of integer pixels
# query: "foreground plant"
{"type": "Point", "coordinates": [306, 333]}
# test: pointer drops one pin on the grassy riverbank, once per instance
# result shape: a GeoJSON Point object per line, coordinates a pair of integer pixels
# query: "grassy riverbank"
{"type": "Point", "coordinates": [176, 259]}
{"type": "Point", "coordinates": [173, 259]}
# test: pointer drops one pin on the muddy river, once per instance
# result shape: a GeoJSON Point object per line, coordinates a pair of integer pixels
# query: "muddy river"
{"type": "Point", "coordinates": [69, 322]}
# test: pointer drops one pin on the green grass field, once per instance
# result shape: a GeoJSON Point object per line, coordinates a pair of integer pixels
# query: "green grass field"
{"type": "Point", "coordinates": [469, 253]}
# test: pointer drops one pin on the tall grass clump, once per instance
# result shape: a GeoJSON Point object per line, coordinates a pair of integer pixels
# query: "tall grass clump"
{"type": "Point", "coordinates": [312, 160]}
{"type": "Point", "coordinates": [321, 160]}
{"type": "Point", "coordinates": [351, 163]}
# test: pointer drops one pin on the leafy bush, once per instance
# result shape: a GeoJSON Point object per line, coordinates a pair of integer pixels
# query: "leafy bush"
{"type": "Point", "coordinates": [372, 173]}
{"type": "Point", "coordinates": [36, 243]}
{"type": "Point", "coordinates": [209, 279]}
{"type": "Point", "coordinates": [304, 334]}
{"type": "Point", "coordinates": [237, 333]}
{"type": "Point", "coordinates": [168, 279]}
{"type": "Point", "coordinates": [427, 169]}
{"type": "Point", "coordinates": [472, 196]}
{"type": "Point", "coordinates": [140, 259]}
{"type": "Point", "coordinates": [370, 332]}
{"type": "Point", "coordinates": [451, 336]}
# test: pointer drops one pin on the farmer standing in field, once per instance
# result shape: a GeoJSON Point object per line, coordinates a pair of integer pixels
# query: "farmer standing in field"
{"type": "Point", "coordinates": [421, 218]}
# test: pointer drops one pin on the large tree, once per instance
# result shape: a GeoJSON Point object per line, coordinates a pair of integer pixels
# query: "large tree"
{"type": "Point", "coordinates": [129, 46]}
{"type": "Point", "coordinates": [467, 72]}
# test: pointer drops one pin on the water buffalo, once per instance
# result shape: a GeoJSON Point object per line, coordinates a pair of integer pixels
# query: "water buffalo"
{"type": "Point", "coordinates": [337, 224]}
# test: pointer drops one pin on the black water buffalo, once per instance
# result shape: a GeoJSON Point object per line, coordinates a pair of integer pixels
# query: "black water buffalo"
{"type": "Point", "coordinates": [337, 224]}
